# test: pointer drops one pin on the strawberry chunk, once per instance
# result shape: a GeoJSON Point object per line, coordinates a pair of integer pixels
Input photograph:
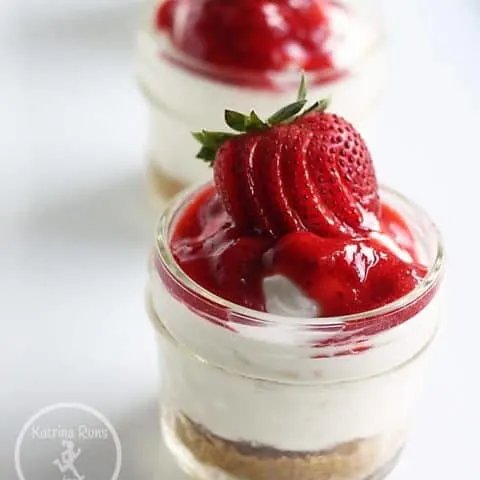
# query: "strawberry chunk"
{"type": "Point", "coordinates": [344, 276]}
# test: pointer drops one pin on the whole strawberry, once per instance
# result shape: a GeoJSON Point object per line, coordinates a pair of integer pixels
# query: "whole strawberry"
{"type": "Point", "coordinates": [300, 170]}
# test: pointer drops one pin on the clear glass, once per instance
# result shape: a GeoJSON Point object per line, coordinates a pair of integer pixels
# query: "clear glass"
{"type": "Point", "coordinates": [185, 95]}
{"type": "Point", "coordinates": [253, 396]}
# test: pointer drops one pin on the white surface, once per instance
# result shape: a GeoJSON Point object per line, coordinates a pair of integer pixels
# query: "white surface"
{"type": "Point", "coordinates": [74, 237]}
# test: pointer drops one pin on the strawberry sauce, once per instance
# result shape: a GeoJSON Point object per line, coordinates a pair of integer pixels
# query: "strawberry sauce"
{"type": "Point", "coordinates": [343, 275]}
{"type": "Point", "coordinates": [256, 36]}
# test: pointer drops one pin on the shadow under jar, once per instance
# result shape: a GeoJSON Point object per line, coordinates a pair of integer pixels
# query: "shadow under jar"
{"type": "Point", "coordinates": [254, 396]}
{"type": "Point", "coordinates": [186, 93]}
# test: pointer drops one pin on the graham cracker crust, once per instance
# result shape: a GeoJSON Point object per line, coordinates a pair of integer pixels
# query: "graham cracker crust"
{"type": "Point", "coordinates": [367, 459]}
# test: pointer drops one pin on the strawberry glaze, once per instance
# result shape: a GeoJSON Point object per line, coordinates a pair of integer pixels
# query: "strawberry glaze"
{"type": "Point", "coordinates": [344, 275]}
{"type": "Point", "coordinates": [256, 36]}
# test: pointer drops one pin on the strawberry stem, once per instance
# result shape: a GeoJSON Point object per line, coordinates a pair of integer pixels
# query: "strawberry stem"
{"type": "Point", "coordinates": [302, 89]}
{"type": "Point", "coordinates": [319, 106]}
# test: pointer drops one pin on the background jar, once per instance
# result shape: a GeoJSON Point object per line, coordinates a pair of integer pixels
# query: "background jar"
{"type": "Point", "coordinates": [185, 95]}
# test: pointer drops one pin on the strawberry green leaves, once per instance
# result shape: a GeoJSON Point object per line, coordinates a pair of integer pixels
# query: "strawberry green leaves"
{"type": "Point", "coordinates": [286, 113]}
{"type": "Point", "coordinates": [236, 121]}
{"type": "Point", "coordinates": [242, 124]}
{"type": "Point", "coordinates": [211, 142]}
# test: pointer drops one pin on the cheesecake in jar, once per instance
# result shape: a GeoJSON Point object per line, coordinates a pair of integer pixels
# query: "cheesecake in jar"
{"type": "Point", "coordinates": [294, 301]}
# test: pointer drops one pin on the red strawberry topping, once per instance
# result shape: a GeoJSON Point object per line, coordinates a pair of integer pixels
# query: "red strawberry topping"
{"type": "Point", "coordinates": [213, 253]}
{"type": "Point", "coordinates": [254, 35]}
{"type": "Point", "coordinates": [165, 14]}
{"type": "Point", "coordinates": [396, 228]}
{"type": "Point", "coordinates": [343, 275]}
{"type": "Point", "coordinates": [296, 196]}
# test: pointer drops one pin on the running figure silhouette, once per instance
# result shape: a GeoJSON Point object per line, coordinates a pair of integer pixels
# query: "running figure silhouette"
{"type": "Point", "coordinates": [66, 462]}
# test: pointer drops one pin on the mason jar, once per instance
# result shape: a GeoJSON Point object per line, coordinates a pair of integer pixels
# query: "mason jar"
{"type": "Point", "coordinates": [247, 395]}
{"type": "Point", "coordinates": [185, 94]}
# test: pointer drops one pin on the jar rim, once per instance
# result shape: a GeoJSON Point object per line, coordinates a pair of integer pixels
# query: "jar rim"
{"type": "Point", "coordinates": [164, 254]}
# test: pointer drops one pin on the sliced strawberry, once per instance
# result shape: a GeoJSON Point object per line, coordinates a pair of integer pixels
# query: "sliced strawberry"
{"type": "Point", "coordinates": [294, 171]}
{"type": "Point", "coordinates": [257, 164]}
{"type": "Point", "coordinates": [346, 178]}
{"type": "Point", "coordinates": [314, 173]}
{"type": "Point", "coordinates": [308, 195]}
{"type": "Point", "coordinates": [290, 143]}
{"type": "Point", "coordinates": [230, 176]}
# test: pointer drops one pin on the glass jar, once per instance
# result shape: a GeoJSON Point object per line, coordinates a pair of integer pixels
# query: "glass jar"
{"type": "Point", "coordinates": [255, 396]}
{"type": "Point", "coordinates": [185, 95]}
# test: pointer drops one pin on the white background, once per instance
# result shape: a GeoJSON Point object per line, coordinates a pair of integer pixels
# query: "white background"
{"type": "Point", "coordinates": [75, 231]}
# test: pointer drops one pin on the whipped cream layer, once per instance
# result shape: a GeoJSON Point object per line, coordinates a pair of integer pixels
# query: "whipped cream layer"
{"type": "Point", "coordinates": [181, 101]}
{"type": "Point", "coordinates": [283, 297]}
{"type": "Point", "coordinates": [261, 384]}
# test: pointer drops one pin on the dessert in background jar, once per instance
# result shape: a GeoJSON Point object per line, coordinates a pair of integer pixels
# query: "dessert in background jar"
{"type": "Point", "coordinates": [294, 302]}
{"type": "Point", "coordinates": [197, 57]}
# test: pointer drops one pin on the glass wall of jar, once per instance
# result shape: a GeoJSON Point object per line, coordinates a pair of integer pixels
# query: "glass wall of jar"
{"type": "Point", "coordinates": [251, 395]}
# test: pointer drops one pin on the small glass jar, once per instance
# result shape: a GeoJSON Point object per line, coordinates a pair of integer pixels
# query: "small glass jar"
{"type": "Point", "coordinates": [186, 95]}
{"type": "Point", "coordinates": [254, 396]}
